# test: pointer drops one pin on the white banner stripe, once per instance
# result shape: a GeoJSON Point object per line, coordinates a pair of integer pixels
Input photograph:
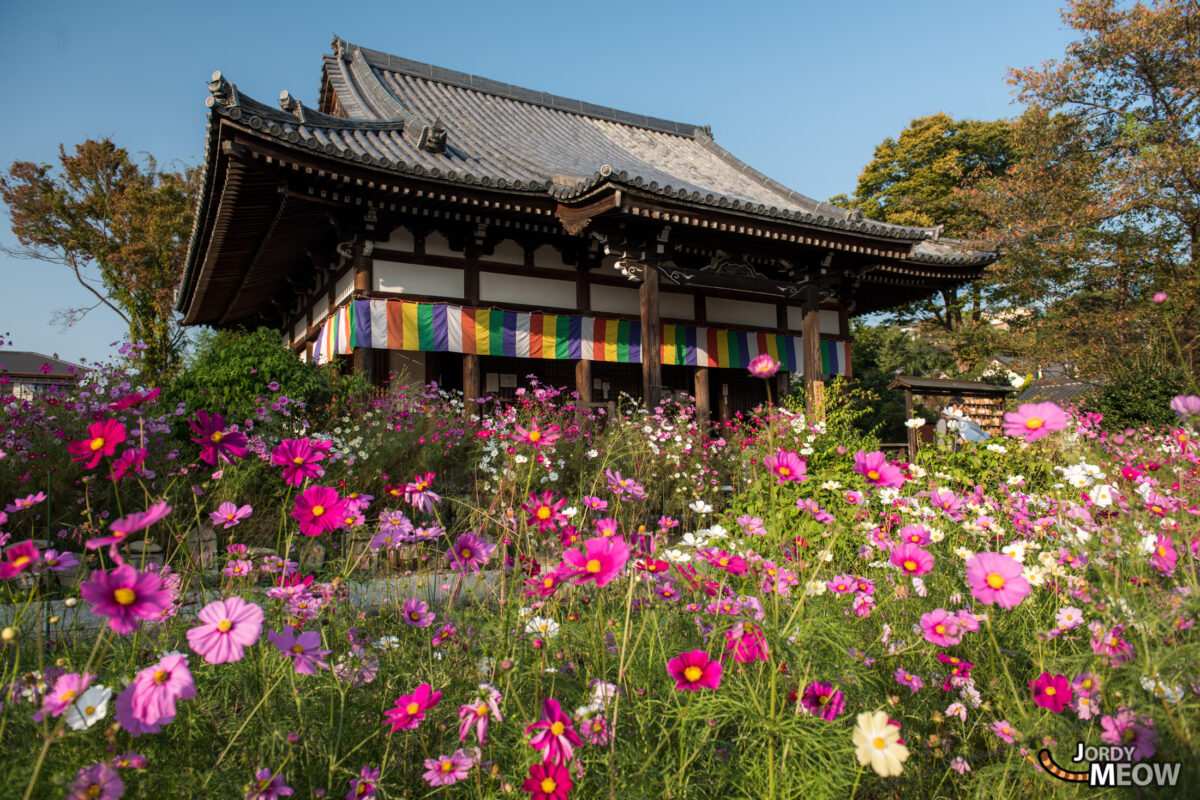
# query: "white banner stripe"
{"type": "Point", "coordinates": [454, 329]}
{"type": "Point", "coordinates": [587, 329]}
{"type": "Point", "coordinates": [522, 335]}
{"type": "Point", "coordinates": [379, 325]}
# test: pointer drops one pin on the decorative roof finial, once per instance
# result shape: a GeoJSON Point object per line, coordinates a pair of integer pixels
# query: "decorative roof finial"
{"type": "Point", "coordinates": [222, 90]}
{"type": "Point", "coordinates": [340, 47]}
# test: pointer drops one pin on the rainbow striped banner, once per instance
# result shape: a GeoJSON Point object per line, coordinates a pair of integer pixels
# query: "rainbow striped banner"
{"type": "Point", "coordinates": [440, 327]}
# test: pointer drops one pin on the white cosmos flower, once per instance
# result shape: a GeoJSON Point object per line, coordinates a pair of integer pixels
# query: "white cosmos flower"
{"type": "Point", "coordinates": [677, 556]}
{"type": "Point", "coordinates": [89, 708]}
{"type": "Point", "coordinates": [997, 448]}
{"type": "Point", "coordinates": [1102, 495]}
{"type": "Point", "coordinates": [543, 626]}
{"type": "Point", "coordinates": [876, 742]}
{"type": "Point", "coordinates": [1172, 694]}
{"type": "Point", "coordinates": [831, 486]}
{"type": "Point", "coordinates": [701, 507]}
{"type": "Point", "coordinates": [915, 422]}
{"type": "Point", "coordinates": [697, 539]}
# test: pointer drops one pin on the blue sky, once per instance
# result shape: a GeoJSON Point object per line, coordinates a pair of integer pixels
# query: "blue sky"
{"type": "Point", "coordinates": [803, 91]}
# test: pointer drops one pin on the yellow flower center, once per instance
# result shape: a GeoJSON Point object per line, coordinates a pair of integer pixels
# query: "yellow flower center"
{"type": "Point", "coordinates": [535, 436]}
{"type": "Point", "coordinates": [125, 597]}
{"type": "Point", "coordinates": [89, 710]}
{"type": "Point", "coordinates": [548, 785]}
{"type": "Point", "coordinates": [412, 708]}
{"type": "Point", "coordinates": [1051, 691]}
{"type": "Point", "coordinates": [465, 552]}
{"type": "Point", "coordinates": [939, 628]}
{"type": "Point", "coordinates": [1129, 734]}
{"type": "Point", "coordinates": [297, 648]}
{"type": "Point", "coordinates": [218, 436]}
{"type": "Point", "coordinates": [1033, 423]}
{"type": "Point", "coordinates": [224, 626]}
{"type": "Point", "coordinates": [1162, 551]}
{"type": "Point", "coordinates": [879, 743]}
{"type": "Point", "coordinates": [548, 583]}
{"type": "Point", "coordinates": [318, 510]}
{"type": "Point", "coordinates": [909, 565]}
{"type": "Point", "coordinates": [785, 471]}
{"type": "Point", "coordinates": [593, 565]}
{"type": "Point", "coordinates": [693, 674]}
{"type": "Point", "coordinates": [1087, 684]}
{"type": "Point", "coordinates": [724, 561]}
{"type": "Point", "coordinates": [68, 695]}
{"type": "Point", "coordinates": [96, 443]}
{"type": "Point", "coordinates": [557, 728]}
{"type": "Point", "coordinates": [873, 475]}
{"type": "Point", "coordinates": [543, 512]}
{"type": "Point", "coordinates": [995, 580]}
{"type": "Point", "coordinates": [20, 561]}
{"type": "Point", "coordinates": [94, 790]}
{"type": "Point", "coordinates": [161, 676]}
{"type": "Point", "coordinates": [447, 766]}
{"type": "Point", "coordinates": [414, 615]}
{"type": "Point", "coordinates": [481, 709]}
{"type": "Point", "coordinates": [298, 460]}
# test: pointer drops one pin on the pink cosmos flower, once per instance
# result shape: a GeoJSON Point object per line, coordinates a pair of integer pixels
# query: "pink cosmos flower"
{"type": "Point", "coordinates": [941, 628]}
{"type": "Point", "coordinates": [126, 526]}
{"type": "Point", "coordinates": [603, 559]}
{"type": "Point", "coordinates": [548, 782]}
{"type": "Point", "coordinates": [128, 463]}
{"type": "Point", "coordinates": [763, 366]}
{"type": "Point", "coordinates": [538, 437]}
{"type": "Point", "coordinates": [694, 670]}
{"type": "Point", "coordinates": [1034, 421]}
{"type": "Point", "coordinates": [66, 689]}
{"type": "Point", "coordinates": [556, 736]}
{"type": "Point", "coordinates": [911, 559]}
{"type": "Point", "coordinates": [1004, 730]}
{"type": "Point", "coordinates": [448, 770]}
{"type": "Point", "coordinates": [97, 782]}
{"type": "Point", "coordinates": [914, 534]}
{"type": "Point", "coordinates": [268, 786]}
{"type": "Point", "coordinates": [299, 458]}
{"type": "Point", "coordinates": [29, 501]}
{"type": "Point", "coordinates": [913, 682]}
{"type": "Point", "coordinates": [1127, 729]}
{"type": "Point", "coordinates": [363, 787]}
{"type": "Point", "coordinates": [303, 649]}
{"type": "Point", "coordinates": [469, 553]}
{"type": "Point", "coordinates": [418, 493]}
{"type": "Point", "coordinates": [595, 503]}
{"type": "Point", "coordinates": [102, 440]}
{"type": "Point", "coordinates": [996, 578]}
{"type": "Point", "coordinates": [410, 709]}
{"type": "Point", "coordinates": [318, 510]}
{"type": "Point", "coordinates": [787, 466]}
{"type": "Point", "coordinates": [747, 643]}
{"type": "Point", "coordinates": [230, 626]}
{"type": "Point", "coordinates": [544, 512]}
{"type": "Point", "coordinates": [17, 559]}
{"type": "Point", "coordinates": [479, 714]}
{"type": "Point", "coordinates": [820, 700]}
{"type": "Point", "coordinates": [876, 469]}
{"type": "Point", "coordinates": [1051, 691]}
{"type": "Point", "coordinates": [416, 613]}
{"type": "Point", "coordinates": [125, 596]}
{"type": "Point", "coordinates": [157, 688]}
{"type": "Point", "coordinates": [134, 399]}
{"type": "Point", "coordinates": [1186, 406]}
{"type": "Point", "coordinates": [1164, 556]}
{"type": "Point", "coordinates": [230, 514]}
{"type": "Point", "coordinates": [217, 443]}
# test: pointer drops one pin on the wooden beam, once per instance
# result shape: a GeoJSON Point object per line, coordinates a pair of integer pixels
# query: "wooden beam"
{"type": "Point", "coordinates": [651, 338]}
{"type": "Point", "coordinates": [810, 333]}
{"type": "Point", "coordinates": [471, 390]}
{"type": "Point", "coordinates": [703, 398]}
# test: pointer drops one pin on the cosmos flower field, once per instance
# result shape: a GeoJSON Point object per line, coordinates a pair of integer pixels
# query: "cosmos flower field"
{"type": "Point", "coordinates": [542, 602]}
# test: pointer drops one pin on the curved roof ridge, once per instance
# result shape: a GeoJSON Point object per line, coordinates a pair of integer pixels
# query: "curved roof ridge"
{"type": "Point", "coordinates": [386, 61]}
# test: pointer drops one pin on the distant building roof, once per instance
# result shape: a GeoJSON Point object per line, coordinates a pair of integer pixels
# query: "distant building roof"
{"type": "Point", "coordinates": [1059, 390]}
{"type": "Point", "coordinates": [28, 363]}
{"type": "Point", "coordinates": [944, 386]}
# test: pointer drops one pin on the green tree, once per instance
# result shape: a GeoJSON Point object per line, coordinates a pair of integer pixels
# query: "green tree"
{"type": "Point", "coordinates": [917, 179]}
{"type": "Point", "coordinates": [122, 228]}
{"type": "Point", "coordinates": [1102, 209]}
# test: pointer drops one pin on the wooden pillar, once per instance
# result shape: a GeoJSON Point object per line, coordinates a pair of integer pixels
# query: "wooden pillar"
{"type": "Point", "coordinates": [912, 432]}
{"type": "Point", "coordinates": [810, 340]}
{"type": "Point", "coordinates": [703, 398]}
{"type": "Point", "coordinates": [471, 383]}
{"type": "Point", "coordinates": [844, 332]}
{"type": "Point", "coordinates": [651, 337]}
{"type": "Point", "coordinates": [583, 387]}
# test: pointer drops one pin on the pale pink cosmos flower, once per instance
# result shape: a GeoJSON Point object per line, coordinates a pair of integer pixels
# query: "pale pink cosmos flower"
{"type": "Point", "coordinates": [876, 469]}
{"type": "Point", "coordinates": [603, 559]}
{"type": "Point", "coordinates": [66, 689]}
{"type": "Point", "coordinates": [555, 737]}
{"type": "Point", "coordinates": [1033, 421]}
{"type": "Point", "coordinates": [941, 628]}
{"type": "Point", "coordinates": [229, 627]}
{"type": "Point", "coordinates": [786, 466]}
{"type": "Point", "coordinates": [996, 578]}
{"type": "Point", "coordinates": [157, 688]}
{"type": "Point", "coordinates": [125, 596]}
{"type": "Point", "coordinates": [763, 366]}
{"type": "Point", "coordinates": [230, 514]}
{"type": "Point", "coordinates": [448, 770]}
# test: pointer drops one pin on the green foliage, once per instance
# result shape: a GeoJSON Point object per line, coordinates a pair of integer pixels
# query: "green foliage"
{"type": "Point", "coordinates": [1139, 393]}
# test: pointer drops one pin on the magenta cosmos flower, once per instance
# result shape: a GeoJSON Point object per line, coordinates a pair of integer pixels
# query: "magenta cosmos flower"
{"type": "Point", "coordinates": [157, 688]}
{"type": "Point", "coordinates": [66, 689]}
{"type": "Point", "coordinates": [903, 678]}
{"type": "Point", "coordinates": [217, 443]}
{"type": "Point", "coordinates": [479, 714]}
{"type": "Point", "coordinates": [299, 458]}
{"type": "Point", "coordinates": [1033, 421]}
{"type": "Point", "coordinates": [555, 736]}
{"type": "Point", "coordinates": [125, 596]}
{"type": "Point", "coordinates": [876, 469]}
{"type": "Point", "coordinates": [303, 649]}
{"type": "Point", "coordinates": [538, 437]}
{"type": "Point", "coordinates": [230, 514]}
{"type": "Point", "coordinates": [603, 558]}
{"type": "Point", "coordinates": [1127, 729]}
{"type": "Point", "coordinates": [911, 560]}
{"type": "Point", "coordinates": [821, 700]}
{"type": "Point", "coordinates": [128, 463]}
{"type": "Point", "coordinates": [97, 782]}
{"type": "Point", "coordinates": [102, 440]}
{"type": "Point", "coordinates": [125, 527]}
{"type": "Point", "coordinates": [417, 614]}
{"type": "Point", "coordinates": [448, 770]}
{"type": "Point", "coordinates": [418, 493]}
{"type": "Point", "coordinates": [548, 782]}
{"type": "Point", "coordinates": [996, 578]}
{"type": "Point", "coordinates": [318, 510]}
{"type": "Point", "coordinates": [694, 671]}
{"type": "Point", "coordinates": [544, 512]}
{"type": "Point", "coordinates": [469, 553]}
{"type": "Point", "coordinates": [410, 709]}
{"type": "Point", "coordinates": [229, 627]}
{"type": "Point", "coordinates": [941, 628]}
{"type": "Point", "coordinates": [1051, 691]}
{"type": "Point", "coordinates": [763, 366]}
{"type": "Point", "coordinates": [1186, 406]}
{"type": "Point", "coordinates": [787, 466]}
{"type": "Point", "coordinates": [268, 786]}
{"type": "Point", "coordinates": [363, 787]}
{"type": "Point", "coordinates": [18, 558]}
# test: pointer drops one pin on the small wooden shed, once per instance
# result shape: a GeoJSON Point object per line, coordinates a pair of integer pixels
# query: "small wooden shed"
{"type": "Point", "coordinates": [982, 402]}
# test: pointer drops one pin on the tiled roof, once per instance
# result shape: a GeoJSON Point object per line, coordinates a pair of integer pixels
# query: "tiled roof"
{"type": "Point", "coordinates": [1055, 390]}
{"type": "Point", "coordinates": [418, 119]}
{"type": "Point", "coordinates": [25, 362]}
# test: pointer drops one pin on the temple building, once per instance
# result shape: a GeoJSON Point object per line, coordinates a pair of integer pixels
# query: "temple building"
{"type": "Point", "coordinates": [454, 228]}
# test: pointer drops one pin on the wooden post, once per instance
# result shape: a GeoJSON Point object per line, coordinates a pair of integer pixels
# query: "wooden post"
{"type": "Point", "coordinates": [810, 340]}
{"type": "Point", "coordinates": [583, 387]}
{"type": "Point", "coordinates": [703, 399]}
{"type": "Point", "coordinates": [912, 432]}
{"type": "Point", "coordinates": [844, 332]}
{"type": "Point", "coordinates": [651, 337]}
{"type": "Point", "coordinates": [471, 383]}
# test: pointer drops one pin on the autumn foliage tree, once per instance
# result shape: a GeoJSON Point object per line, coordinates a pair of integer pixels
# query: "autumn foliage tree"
{"type": "Point", "coordinates": [120, 227]}
{"type": "Point", "coordinates": [1102, 208]}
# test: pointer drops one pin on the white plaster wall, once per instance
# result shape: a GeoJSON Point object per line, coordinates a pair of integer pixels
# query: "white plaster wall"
{"type": "Point", "coordinates": [497, 288]}
{"type": "Point", "coordinates": [829, 320]}
{"type": "Point", "coordinates": [676, 306]}
{"type": "Point", "coordinates": [507, 252]}
{"type": "Point", "coordinates": [320, 312]}
{"type": "Point", "coordinates": [436, 245]}
{"type": "Point", "coordinates": [344, 287]}
{"type": "Point", "coordinates": [401, 239]}
{"type": "Point", "coordinates": [740, 312]}
{"type": "Point", "coordinates": [300, 329]}
{"type": "Point", "coordinates": [420, 279]}
{"type": "Point", "coordinates": [615, 300]}
{"type": "Point", "coordinates": [547, 257]}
